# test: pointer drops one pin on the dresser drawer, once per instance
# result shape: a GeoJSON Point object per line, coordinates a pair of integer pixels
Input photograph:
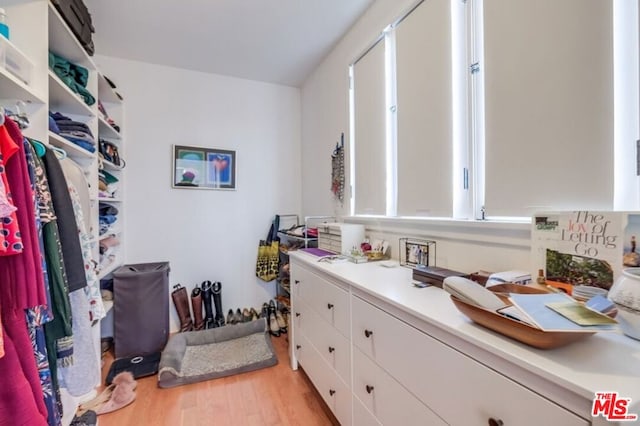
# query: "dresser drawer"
{"type": "Point", "coordinates": [332, 346]}
{"type": "Point", "coordinates": [386, 398]}
{"type": "Point", "coordinates": [327, 299]}
{"type": "Point", "coordinates": [362, 416]}
{"type": "Point", "coordinates": [335, 393]}
{"type": "Point", "coordinates": [458, 388]}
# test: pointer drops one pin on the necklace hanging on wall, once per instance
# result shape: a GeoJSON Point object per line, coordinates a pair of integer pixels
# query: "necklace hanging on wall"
{"type": "Point", "coordinates": [337, 170]}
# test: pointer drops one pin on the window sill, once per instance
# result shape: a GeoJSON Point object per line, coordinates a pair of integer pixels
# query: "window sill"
{"type": "Point", "coordinates": [512, 232]}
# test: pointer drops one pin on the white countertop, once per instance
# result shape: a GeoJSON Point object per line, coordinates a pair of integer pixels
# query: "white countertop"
{"type": "Point", "coordinates": [603, 362]}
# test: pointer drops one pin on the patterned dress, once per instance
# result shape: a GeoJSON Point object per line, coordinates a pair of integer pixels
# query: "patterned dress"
{"type": "Point", "coordinates": [37, 317]}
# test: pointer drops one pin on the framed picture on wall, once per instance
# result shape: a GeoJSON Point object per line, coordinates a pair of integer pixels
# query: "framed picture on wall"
{"type": "Point", "coordinates": [203, 168]}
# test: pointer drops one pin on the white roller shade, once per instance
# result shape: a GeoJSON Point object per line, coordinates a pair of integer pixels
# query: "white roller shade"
{"type": "Point", "coordinates": [369, 132]}
{"type": "Point", "coordinates": [424, 114]}
{"type": "Point", "coordinates": [548, 69]}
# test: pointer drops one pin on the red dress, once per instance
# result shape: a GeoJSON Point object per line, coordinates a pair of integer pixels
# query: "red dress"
{"type": "Point", "coordinates": [10, 239]}
{"type": "Point", "coordinates": [21, 287]}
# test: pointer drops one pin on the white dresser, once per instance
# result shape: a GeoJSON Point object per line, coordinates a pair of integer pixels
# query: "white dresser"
{"type": "Point", "coordinates": [381, 351]}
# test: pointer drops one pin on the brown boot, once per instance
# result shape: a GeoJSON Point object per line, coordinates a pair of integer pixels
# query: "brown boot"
{"type": "Point", "coordinates": [181, 302]}
{"type": "Point", "coordinates": [196, 305]}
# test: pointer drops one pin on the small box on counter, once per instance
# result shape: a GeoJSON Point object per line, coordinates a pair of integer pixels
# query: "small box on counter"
{"type": "Point", "coordinates": [434, 275]}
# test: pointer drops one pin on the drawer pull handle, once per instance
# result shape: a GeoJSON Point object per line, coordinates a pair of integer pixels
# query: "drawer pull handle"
{"type": "Point", "coordinates": [369, 388]}
{"type": "Point", "coordinates": [329, 305]}
{"type": "Point", "coordinates": [297, 314]}
{"type": "Point", "coordinates": [368, 333]}
{"type": "Point", "coordinates": [494, 422]}
{"type": "Point", "coordinates": [298, 346]}
{"type": "Point", "coordinates": [331, 392]}
{"type": "Point", "coordinates": [331, 349]}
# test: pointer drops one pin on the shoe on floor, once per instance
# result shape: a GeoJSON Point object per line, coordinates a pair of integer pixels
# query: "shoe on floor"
{"type": "Point", "coordinates": [237, 317]}
{"type": "Point", "coordinates": [265, 311]}
{"type": "Point", "coordinates": [230, 317]}
{"type": "Point", "coordinates": [125, 379]}
{"type": "Point", "coordinates": [254, 314]}
{"type": "Point", "coordinates": [246, 316]}
{"type": "Point", "coordinates": [281, 322]}
{"type": "Point", "coordinates": [121, 397]}
{"type": "Point", "coordinates": [274, 328]}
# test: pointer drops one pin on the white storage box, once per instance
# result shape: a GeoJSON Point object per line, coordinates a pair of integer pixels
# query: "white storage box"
{"type": "Point", "coordinates": [340, 238]}
{"type": "Point", "coordinates": [14, 61]}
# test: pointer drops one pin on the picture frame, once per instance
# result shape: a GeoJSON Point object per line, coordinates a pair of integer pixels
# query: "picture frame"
{"type": "Point", "coordinates": [203, 168]}
{"type": "Point", "coordinates": [417, 253]}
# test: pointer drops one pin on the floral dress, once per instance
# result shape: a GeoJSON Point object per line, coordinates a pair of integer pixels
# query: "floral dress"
{"type": "Point", "coordinates": [10, 239]}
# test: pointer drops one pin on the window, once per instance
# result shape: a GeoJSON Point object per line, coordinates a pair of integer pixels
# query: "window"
{"type": "Point", "coordinates": [424, 111]}
{"type": "Point", "coordinates": [548, 110]}
{"type": "Point", "coordinates": [497, 107]}
{"type": "Point", "coordinates": [369, 112]}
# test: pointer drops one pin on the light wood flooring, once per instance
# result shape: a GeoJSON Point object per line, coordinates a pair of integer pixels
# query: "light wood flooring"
{"type": "Point", "coordinates": [271, 396]}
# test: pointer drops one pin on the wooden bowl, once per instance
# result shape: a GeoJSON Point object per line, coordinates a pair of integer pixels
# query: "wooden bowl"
{"type": "Point", "coordinates": [506, 288]}
{"type": "Point", "coordinates": [514, 329]}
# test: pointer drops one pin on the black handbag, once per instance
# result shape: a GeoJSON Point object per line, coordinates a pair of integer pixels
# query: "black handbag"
{"type": "Point", "coordinates": [110, 152]}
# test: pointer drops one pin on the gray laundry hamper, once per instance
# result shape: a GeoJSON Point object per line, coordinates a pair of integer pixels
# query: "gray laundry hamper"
{"type": "Point", "coordinates": [140, 309]}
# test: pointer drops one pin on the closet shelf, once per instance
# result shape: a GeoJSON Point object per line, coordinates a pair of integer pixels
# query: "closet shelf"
{"type": "Point", "coordinates": [11, 87]}
{"type": "Point", "coordinates": [72, 150]}
{"type": "Point", "coordinates": [109, 269]}
{"type": "Point", "coordinates": [110, 200]}
{"type": "Point", "coordinates": [106, 130]}
{"type": "Point", "coordinates": [64, 43]}
{"type": "Point", "coordinates": [106, 94]}
{"type": "Point", "coordinates": [110, 166]}
{"type": "Point", "coordinates": [61, 97]}
{"type": "Point", "coordinates": [110, 233]}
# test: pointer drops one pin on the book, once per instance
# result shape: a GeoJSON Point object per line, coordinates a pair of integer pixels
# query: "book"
{"type": "Point", "coordinates": [580, 314]}
{"type": "Point", "coordinates": [584, 247]}
{"type": "Point", "coordinates": [536, 308]}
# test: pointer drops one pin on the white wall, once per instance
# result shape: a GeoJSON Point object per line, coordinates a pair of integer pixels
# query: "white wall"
{"type": "Point", "coordinates": [325, 114]}
{"type": "Point", "coordinates": [206, 234]}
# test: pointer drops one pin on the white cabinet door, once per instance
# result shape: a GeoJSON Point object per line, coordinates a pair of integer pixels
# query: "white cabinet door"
{"type": "Point", "coordinates": [456, 387]}
{"type": "Point", "coordinates": [386, 398]}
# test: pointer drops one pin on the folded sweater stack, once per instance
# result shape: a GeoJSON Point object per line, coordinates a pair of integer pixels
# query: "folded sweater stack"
{"type": "Point", "coordinates": [73, 131]}
{"type": "Point", "coordinates": [73, 75]}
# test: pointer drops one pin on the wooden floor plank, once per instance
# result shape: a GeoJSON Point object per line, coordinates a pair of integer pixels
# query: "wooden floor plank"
{"type": "Point", "coordinates": [275, 396]}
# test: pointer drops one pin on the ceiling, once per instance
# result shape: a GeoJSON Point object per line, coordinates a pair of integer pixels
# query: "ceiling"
{"type": "Point", "coordinates": [276, 41]}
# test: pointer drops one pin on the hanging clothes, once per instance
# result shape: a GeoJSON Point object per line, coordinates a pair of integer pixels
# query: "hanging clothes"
{"type": "Point", "coordinates": [86, 304]}
{"type": "Point", "coordinates": [80, 199]}
{"type": "Point", "coordinates": [6, 208]}
{"type": "Point", "coordinates": [21, 397]}
{"type": "Point", "coordinates": [23, 271]}
{"type": "Point", "coordinates": [1, 339]}
{"type": "Point", "coordinates": [18, 403]}
{"type": "Point", "coordinates": [58, 332]}
{"type": "Point", "coordinates": [10, 242]}
{"type": "Point", "coordinates": [82, 376]}
{"type": "Point", "coordinates": [39, 316]}
{"type": "Point", "coordinates": [72, 252]}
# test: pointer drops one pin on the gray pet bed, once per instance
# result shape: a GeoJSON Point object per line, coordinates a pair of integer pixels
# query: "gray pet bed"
{"type": "Point", "coordinates": [218, 352]}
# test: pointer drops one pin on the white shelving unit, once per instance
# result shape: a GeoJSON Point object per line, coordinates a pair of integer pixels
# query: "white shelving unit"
{"type": "Point", "coordinates": [36, 29]}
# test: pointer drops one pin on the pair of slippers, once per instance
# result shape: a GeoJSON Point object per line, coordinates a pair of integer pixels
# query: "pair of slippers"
{"type": "Point", "coordinates": [119, 394]}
